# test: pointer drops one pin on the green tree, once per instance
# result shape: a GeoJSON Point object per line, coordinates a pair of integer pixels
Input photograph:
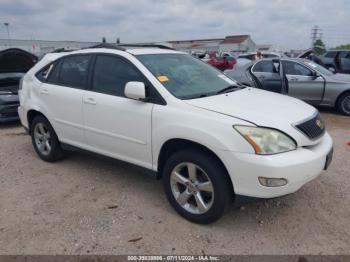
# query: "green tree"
{"type": "Point", "coordinates": [319, 47]}
{"type": "Point", "coordinates": [343, 47]}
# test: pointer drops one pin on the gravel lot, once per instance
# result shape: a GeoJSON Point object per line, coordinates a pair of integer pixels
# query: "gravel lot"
{"type": "Point", "coordinates": [91, 205]}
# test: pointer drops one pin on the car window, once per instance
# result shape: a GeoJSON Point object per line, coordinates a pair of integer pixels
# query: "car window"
{"type": "Point", "coordinates": [330, 54]}
{"type": "Point", "coordinates": [344, 54]}
{"type": "Point", "coordinates": [270, 56]}
{"type": "Point", "coordinates": [42, 75]}
{"type": "Point", "coordinates": [74, 71]}
{"type": "Point", "coordinates": [293, 68]}
{"type": "Point", "coordinates": [111, 74]}
{"type": "Point", "coordinates": [53, 74]}
{"type": "Point", "coordinates": [186, 77]}
{"type": "Point", "coordinates": [264, 67]}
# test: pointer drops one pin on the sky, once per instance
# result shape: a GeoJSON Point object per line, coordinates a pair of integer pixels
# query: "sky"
{"type": "Point", "coordinates": [283, 23]}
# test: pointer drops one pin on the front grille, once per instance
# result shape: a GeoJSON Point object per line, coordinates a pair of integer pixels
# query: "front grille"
{"type": "Point", "coordinates": [312, 128]}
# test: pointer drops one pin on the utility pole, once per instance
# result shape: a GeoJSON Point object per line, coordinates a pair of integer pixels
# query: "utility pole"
{"type": "Point", "coordinates": [7, 25]}
{"type": "Point", "coordinates": [315, 35]}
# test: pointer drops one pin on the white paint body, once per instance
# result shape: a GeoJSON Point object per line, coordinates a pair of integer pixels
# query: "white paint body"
{"type": "Point", "coordinates": [135, 131]}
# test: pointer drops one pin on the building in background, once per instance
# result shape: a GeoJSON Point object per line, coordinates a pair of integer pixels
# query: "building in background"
{"type": "Point", "coordinates": [234, 44]}
{"type": "Point", "coordinates": [40, 47]}
{"type": "Point", "coordinates": [204, 45]}
{"type": "Point", "coordinates": [237, 44]}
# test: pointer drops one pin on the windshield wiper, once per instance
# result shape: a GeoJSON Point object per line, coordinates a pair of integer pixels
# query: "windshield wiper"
{"type": "Point", "coordinates": [228, 89]}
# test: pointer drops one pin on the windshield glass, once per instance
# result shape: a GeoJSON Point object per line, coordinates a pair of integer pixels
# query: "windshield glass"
{"type": "Point", "coordinates": [319, 68]}
{"type": "Point", "coordinates": [186, 77]}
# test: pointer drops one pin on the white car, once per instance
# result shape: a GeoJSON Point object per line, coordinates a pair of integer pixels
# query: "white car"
{"type": "Point", "coordinates": [206, 137]}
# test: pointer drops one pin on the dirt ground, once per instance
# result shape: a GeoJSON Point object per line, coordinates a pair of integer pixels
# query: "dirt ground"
{"type": "Point", "coordinates": [92, 205]}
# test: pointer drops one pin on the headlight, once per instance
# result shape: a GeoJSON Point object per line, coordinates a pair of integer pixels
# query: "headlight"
{"type": "Point", "coordinates": [266, 141]}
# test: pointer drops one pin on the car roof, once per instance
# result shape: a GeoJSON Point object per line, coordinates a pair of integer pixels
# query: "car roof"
{"type": "Point", "coordinates": [128, 48]}
{"type": "Point", "coordinates": [339, 50]}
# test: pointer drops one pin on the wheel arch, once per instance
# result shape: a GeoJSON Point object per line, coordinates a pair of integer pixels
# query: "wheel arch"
{"type": "Point", "coordinates": [336, 104]}
{"type": "Point", "coordinates": [174, 145]}
{"type": "Point", "coordinates": [340, 95]}
{"type": "Point", "coordinates": [31, 114]}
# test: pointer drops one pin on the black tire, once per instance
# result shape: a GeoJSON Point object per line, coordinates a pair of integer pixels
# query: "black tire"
{"type": "Point", "coordinates": [55, 153]}
{"type": "Point", "coordinates": [343, 104]}
{"type": "Point", "coordinates": [221, 185]}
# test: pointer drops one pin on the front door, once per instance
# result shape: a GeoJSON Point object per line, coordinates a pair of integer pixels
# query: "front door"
{"type": "Point", "coordinates": [302, 83]}
{"type": "Point", "coordinates": [115, 125]}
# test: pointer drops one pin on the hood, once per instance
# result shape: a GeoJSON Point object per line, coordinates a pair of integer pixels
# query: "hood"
{"type": "Point", "coordinates": [15, 60]}
{"type": "Point", "coordinates": [261, 108]}
{"type": "Point", "coordinates": [341, 77]}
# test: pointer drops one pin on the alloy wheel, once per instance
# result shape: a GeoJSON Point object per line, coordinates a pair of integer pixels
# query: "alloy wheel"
{"type": "Point", "coordinates": [192, 188]}
{"type": "Point", "coordinates": [346, 104]}
{"type": "Point", "coordinates": [42, 138]}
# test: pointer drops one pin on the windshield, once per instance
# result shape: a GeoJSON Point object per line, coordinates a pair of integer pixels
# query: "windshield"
{"type": "Point", "coordinates": [319, 68]}
{"type": "Point", "coordinates": [186, 77]}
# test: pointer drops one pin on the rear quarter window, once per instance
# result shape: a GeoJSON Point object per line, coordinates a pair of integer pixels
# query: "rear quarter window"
{"type": "Point", "coordinates": [74, 71]}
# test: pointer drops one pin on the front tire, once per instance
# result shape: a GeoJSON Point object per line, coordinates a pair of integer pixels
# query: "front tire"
{"type": "Point", "coordinates": [197, 186]}
{"type": "Point", "coordinates": [44, 140]}
{"type": "Point", "coordinates": [343, 104]}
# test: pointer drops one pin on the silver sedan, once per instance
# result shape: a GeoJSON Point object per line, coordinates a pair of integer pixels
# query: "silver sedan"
{"type": "Point", "coordinates": [299, 78]}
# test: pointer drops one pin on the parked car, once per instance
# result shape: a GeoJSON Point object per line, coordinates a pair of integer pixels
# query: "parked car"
{"type": "Point", "coordinates": [299, 78]}
{"type": "Point", "coordinates": [251, 55]}
{"type": "Point", "coordinates": [13, 64]}
{"type": "Point", "coordinates": [337, 61]}
{"type": "Point", "coordinates": [208, 138]}
{"type": "Point", "coordinates": [221, 63]}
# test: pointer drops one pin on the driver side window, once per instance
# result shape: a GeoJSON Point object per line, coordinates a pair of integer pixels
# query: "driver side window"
{"type": "Point", "coordinates": [293, 68]}
{"type": "Point", "coordinates": [266, 66]}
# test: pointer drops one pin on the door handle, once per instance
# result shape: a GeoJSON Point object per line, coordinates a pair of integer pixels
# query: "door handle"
{"type": "Point", "coordinates": [44, 91]}
{"type": "Point", "coordinates": [293, 79]}
{"type": "Point", "coordinates": [90, 101]}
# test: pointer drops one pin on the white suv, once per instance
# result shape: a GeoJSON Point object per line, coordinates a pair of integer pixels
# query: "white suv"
{"type": "Point", "coordinates": [207, 137]}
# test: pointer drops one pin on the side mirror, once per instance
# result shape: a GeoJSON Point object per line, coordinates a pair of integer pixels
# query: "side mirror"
{"type": "Point", "coordinates": [135, 90]}
{"type": "Point", "coordinates": [332, 70]}
{"type": "Point", "coordinates": [315, 75]}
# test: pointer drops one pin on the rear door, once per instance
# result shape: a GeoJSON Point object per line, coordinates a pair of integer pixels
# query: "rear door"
{"type": "Point", "coordinates": [61, 96]}
{"type": "Point", "coordinates": [302, 83]}
{"type": "Point", "coordinates": [266, 72]}
{"type": "Point", "coordinates": [115, 125]}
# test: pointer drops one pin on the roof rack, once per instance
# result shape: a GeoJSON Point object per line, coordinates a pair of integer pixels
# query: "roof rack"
{"type": "Point", "coordinates": [63, 50]}
{"type": "Point", "coordinates": [122, 47]}
{"type": "Point", "coordinates": [148, 45]}
{"type": "Point", "coordinates": [108, 45]}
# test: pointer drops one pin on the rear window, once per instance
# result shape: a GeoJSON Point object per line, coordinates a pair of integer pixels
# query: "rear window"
{"type": "Point", "coordinates": [74, 71]}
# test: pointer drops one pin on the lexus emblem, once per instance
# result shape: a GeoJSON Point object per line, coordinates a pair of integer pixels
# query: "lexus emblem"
{"type": "Point", "coordinates": [319, 124]}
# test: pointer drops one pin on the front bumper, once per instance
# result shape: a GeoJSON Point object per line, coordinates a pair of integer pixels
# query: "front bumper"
{"type": "Point", "coordinates": [298, 167]}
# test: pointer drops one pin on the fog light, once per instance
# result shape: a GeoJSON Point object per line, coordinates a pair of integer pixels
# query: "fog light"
{"type": "Point", "coordinates": [272, 182]}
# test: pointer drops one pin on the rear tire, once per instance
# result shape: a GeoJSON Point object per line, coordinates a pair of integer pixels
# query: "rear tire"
{"type": "Point", "coordinates": [44, 140]}
{"type": "Point", "coordinates": [343, 104]}
{"type": "Point", "coordinates": [197, 186]}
